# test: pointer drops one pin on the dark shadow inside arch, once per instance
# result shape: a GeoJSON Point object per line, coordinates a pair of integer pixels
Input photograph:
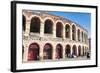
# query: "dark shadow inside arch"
{"type": "Point", "coordinates": [35, 25]}
{"type": "Point", "coordinates": [68, 51]}
{"type": "Point", "coordinates": [33, 52]}
{"type": "Point", "coordinates": [74, 53]}
{"type": "Point", "coordinates": [48, 27]}
{"type": "Point", "coordinates": [67, 31]}
{"type": "Point", "coordinates": [73, 32]}
{"type": "Point", "coordinates": [79, 50]}
{"type": "Point", "coordinates": [78, 34]}
{"type": "Point", "coordinates": [23, 23]}
{"type": "Point", "coordinates": [59, 30]}
{"type": "Point", "coordinates": [59, 51]}
{"type": "Point", "coordinates": [47, 51]}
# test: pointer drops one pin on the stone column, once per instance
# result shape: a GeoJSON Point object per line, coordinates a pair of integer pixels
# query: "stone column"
{"type": "Point", "coordinates": [71, 49]}
{"type": "Point", "coordinates": [77, 50]}
{"type": "Point", "coordinates": [54, 30]}
{"type": "Point", "coordinates": [28, 22]}
{"type": "Point", "coordinates": [25, 58]}
{"type": "Point", "coordinates": [63, 52]}
{"type": "Point", "coordinates": [64, 32]}
{"type": "Point", "coordinates": [76, 35]}
{"type": "Point", "coordinates": [54, 53]}
{"type": "Point", "coordinates": [81, 50]}
{"type": "Point", "coordinates": [83, 36]}
{"type": "Point", "coordinates": [41, 52]}
{"type": "Point", "coordinates": [70, 32]}
{"type": "Point", "coordinates": [42, 29]}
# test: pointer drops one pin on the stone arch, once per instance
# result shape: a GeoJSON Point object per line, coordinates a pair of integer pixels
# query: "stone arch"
{"type": "Point", "coordinates": [59, 51]}
{"type": "Point", "coordinates": [68, 50]}
{"type": "Point", "coordinates": [59, 29]}
{"type": "Point", "coordinates": [35, 25]}
{"type": "Point", "coordinates": [33, 52]}
{"type": "Point", "coordinates": [74, 50]}
{"type": "Point", "coordinates": [73, 32]}
{"type": "Point", "coordinates": [67, 31]}
{"type": "Point", "coordinates": [48, 26]}
{"type": "Point", "coordinates": [78, 34]}
{"type": "Point", "coordinates": [47, 51]}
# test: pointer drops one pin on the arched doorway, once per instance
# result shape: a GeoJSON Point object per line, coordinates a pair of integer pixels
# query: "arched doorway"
{"type": "Point", "coordinates": [24, 23]}
{"type": "Point", "coordinates": [67, 31]}
{"type": "Point", "coordinates": [47, 51]}
{"type": "Point", "coordinates": [48, 27]}
{"type": "Point", "coordinates": [73, 32]}
{"type": "Point", "coordinates": [33, 52]}
{"type": "Point", "coordinates": [59, 29]}
{"type": "Point", "coordinates": [59, 50]}
{"type": "Point", "coordinates": [79, 50]}
{"type": "Point", "coordinates": [68, 51]}
{"type": "Point", "coordinates": [35, 25]}
{"type": "Point", "coordinates": [74, 53]}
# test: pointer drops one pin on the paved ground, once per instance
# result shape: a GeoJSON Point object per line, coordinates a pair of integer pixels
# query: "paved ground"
{"type": "Point", "coordinates": [66, 59]}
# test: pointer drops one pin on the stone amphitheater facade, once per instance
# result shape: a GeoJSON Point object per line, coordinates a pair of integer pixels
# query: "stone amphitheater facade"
{"type": "Point", "coordinates": [50, 37]}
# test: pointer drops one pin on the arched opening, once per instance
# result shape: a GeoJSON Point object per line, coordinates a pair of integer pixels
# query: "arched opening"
{"type": "Point", "coordinates": [33, 52]}
{"type": "Point", "coordinates": [82, 36]}
{"type": "Point", "coordinates": [47, 51]}
{"type": "Point", "coordinates": [59, 29]}
{"type": "Point", "coordinates": [79, 50]}
{"type": "Point", "coordinates": [48, 26]}
{"type": "Point", "coordinates": [67, 31]}
{"type": "Point", "coordinates": [74, 53]}
{"type": "Point", "coordinates": [24, 23]}
{"type": "Point", "coordinates": [78, 34]}
{"type": "Point", "coordinates": [35, 25]}
{"type": "Point", "coordinates": [59, 50]}
{"type": "Point", "coordinates": [73, 32]}
{"type": "Point", "coordinates": [68, 51]}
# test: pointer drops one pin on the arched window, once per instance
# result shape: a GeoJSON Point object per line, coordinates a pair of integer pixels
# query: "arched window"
{"type": "Point", "coordinates": [73, 32]}
{"type": "Point", "coordinates": [59, 29]}
{"type": "Point", "coordinates": [78, 34]}
{"type": "Point", "coordinates": [48, 27]}
{"type": "Point", "coordinates": [35, 25]}
{"type": "Point", "coordinates": [33, 52]}
{"type": "Point", "coordinates": [47, 51]}
{"type": "Point", "coordinates": [67, 31]}
{"type": "Point", "coordinates": [74, 53]}
{"type": "Point", "coordinates": [59, 51]}
{"type": "Point", "coordinates": [79, 50]}
{"type": "Point", "coordinates": [24, 23]}
{"type": "Point", "coordinates": [68, 51]}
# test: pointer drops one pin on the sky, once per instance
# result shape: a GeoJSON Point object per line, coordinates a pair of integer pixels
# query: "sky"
{"type": "Point", "coordinates": [83, 19]}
